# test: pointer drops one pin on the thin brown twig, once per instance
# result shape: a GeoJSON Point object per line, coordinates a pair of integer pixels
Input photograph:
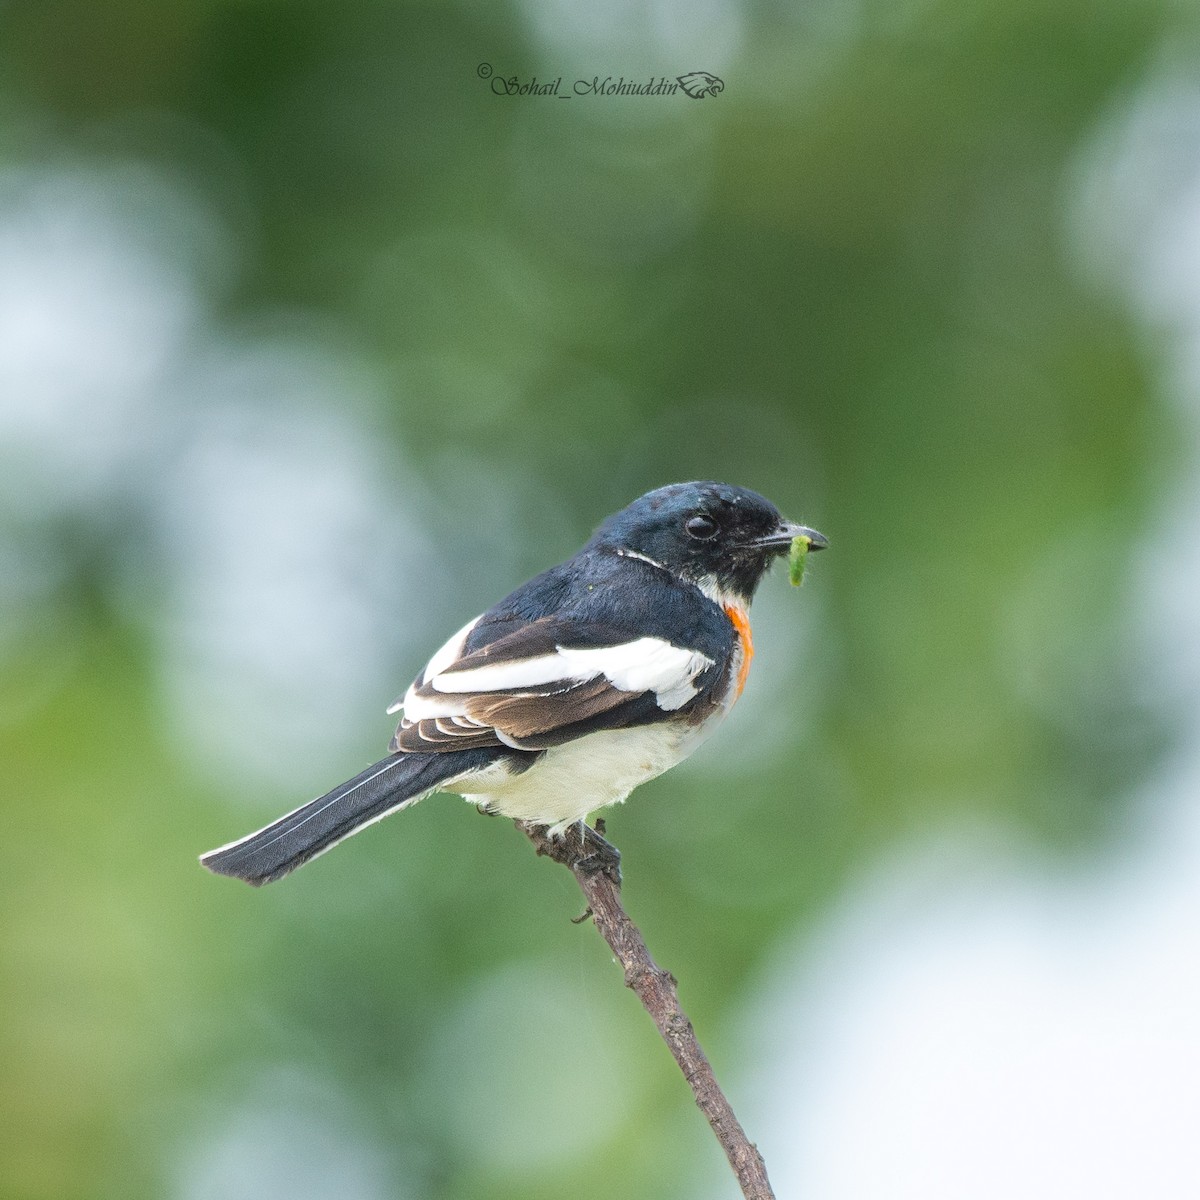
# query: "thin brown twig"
{"type": "Point", "coordinates": [657, 991]}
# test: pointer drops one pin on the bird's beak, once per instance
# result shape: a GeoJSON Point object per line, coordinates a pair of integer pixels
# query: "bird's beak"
{"type": "Point", "coordinates": [782, 538]}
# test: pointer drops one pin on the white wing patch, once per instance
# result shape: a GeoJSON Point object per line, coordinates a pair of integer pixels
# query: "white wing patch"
{"type": "Point", "coordinates": [428, 708]}
{"type": "Point", "coordinates": [436, 665]}
{"type": "Point", "coordinates": [644, 665]}
{"type": "Point", "coordinates": [451, 651]}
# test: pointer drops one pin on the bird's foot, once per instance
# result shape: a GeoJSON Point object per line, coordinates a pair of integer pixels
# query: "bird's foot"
{"type": "Point", "coordinates": [595, 853]}
{"type": "Point", "coordinates": [577, 847]}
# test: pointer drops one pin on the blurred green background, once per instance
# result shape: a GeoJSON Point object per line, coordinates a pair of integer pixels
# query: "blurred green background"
{"type": "Point", "coordinates": [312, 346]}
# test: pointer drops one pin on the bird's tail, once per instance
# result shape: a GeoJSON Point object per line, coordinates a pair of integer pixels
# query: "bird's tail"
{"type": "Point", "coordinates": [390, 784]}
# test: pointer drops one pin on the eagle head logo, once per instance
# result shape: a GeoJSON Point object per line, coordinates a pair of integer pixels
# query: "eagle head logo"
{"type": "Point", "coordinates": [699, 84]}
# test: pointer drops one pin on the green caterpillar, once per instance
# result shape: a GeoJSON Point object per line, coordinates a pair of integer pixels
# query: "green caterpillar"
{"type": "Point", "coordinates": [796, 556]}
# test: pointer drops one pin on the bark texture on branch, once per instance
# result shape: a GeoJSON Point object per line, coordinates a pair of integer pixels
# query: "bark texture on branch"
{"type": "Point", "coordinates": [657, 991]}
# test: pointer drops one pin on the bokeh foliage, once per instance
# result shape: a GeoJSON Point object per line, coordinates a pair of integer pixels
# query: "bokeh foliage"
{"type": "Point", "coordinates": [846, 281]}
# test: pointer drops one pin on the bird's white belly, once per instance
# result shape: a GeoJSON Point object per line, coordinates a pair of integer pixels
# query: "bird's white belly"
{"type": "Point", "coordinates": [572, 780]}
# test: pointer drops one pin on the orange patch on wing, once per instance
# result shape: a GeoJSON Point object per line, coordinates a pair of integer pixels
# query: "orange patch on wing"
{"type": "Point", "coordinates": [741, 622]}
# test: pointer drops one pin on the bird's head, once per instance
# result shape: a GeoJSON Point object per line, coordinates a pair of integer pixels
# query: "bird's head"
{"type": "Point", "coordinates": [719, 537]}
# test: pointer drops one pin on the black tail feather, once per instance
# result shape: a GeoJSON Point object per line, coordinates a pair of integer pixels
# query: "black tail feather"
{"type": "Point", "coordinates": [311, 829]}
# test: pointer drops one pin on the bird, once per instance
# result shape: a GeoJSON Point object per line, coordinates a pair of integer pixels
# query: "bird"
{"type": "Point", "coordinates": [590, 679]}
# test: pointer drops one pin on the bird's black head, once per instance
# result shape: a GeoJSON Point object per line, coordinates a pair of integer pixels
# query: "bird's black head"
{"type": "Point", "coordinates": [720, 537]}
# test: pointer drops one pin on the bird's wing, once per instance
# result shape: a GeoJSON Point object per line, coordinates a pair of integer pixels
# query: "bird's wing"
{"type": "Point", "coordinates": [545, 682]}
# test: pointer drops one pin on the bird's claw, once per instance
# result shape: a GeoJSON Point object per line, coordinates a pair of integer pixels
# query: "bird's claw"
{"type": "Point", "coordinates": [597, 854]}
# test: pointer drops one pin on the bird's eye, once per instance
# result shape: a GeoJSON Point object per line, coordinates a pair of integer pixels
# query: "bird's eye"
{"type": "Point", "coordinates": [701, 526]}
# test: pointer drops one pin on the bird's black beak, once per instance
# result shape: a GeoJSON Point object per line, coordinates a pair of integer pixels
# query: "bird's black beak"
{"type": "Point", "coordinates": [781, 540]}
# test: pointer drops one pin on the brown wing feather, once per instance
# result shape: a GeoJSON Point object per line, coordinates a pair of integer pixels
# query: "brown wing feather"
{"type": "Point", "coordinates": [529, 713]}
{"type": "Point", "coordinates": [443, 733]}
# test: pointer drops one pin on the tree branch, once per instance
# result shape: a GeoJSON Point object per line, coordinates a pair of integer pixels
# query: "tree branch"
{"type": "Point", "coordinates": [599, 880]}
